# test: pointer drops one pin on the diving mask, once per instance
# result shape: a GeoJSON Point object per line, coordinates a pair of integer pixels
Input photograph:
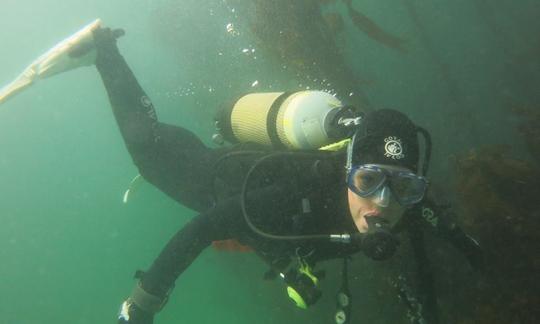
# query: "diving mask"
{"type": "Point", "coordinates": [368, 179]}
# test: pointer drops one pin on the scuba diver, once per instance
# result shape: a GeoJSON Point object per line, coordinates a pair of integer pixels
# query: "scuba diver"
{"type": "Point", "coordinates": [276, 192]}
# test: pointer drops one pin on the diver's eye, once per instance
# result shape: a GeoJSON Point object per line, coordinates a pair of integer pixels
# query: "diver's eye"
{"type": "Point", "coordinates": [400, 186]}
{"type": "Point", "coordinates": [366, 180]}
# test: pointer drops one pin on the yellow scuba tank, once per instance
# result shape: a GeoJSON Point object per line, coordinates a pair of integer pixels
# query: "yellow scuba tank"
{"type": "Point", "coordinates": [303, 120]}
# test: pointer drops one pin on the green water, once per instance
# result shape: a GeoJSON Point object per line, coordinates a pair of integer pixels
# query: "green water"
{"type": "Point", "coordinates": [69, 246]}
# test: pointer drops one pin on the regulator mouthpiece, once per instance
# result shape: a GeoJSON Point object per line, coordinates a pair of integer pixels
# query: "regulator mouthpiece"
{"type": "Point", "coordinates": [378, 243]}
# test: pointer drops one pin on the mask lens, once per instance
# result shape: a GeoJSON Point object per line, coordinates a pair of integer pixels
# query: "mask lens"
{"type": "Point", "coordinates": [409, 189]}
{"type": "Point", "coordinates": [366, 181]}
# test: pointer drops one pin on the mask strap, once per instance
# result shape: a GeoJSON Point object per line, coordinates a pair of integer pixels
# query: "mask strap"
{"type": "Point", "coordinates": [348, 165]}
{"type": "Point", "coordinates": [350, 148]}
{"type": "Point", "coordinates": [427, 154]}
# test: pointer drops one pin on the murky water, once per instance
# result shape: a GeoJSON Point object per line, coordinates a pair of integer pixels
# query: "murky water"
{"type": "Point", "coordinates": [68, 244]}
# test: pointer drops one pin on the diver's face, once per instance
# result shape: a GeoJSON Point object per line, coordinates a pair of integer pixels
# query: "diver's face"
{"type": "Point", "coordinates": [376, 205]}
{"type": "Point", "coordinates": [361, 207]}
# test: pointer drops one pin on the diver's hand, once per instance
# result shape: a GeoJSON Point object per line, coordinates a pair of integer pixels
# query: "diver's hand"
{"type": "Point", "coordinates": [132, 314]}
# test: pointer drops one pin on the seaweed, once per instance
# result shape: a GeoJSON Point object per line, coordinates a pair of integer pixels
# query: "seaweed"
{"type": "Point", "coordinates": [305, 41]}
{"type": "Point", "coordinates": [499, 195]}
{"type": "Point", "coordinates": [529, 129]}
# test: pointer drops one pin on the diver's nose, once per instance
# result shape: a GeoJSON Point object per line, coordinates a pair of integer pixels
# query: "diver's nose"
{"type": "Point", "coordinates": [382, 197]}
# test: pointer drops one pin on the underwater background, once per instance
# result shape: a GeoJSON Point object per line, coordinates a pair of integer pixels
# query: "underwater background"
{"type": "Point", "coordinates": [467, 70]}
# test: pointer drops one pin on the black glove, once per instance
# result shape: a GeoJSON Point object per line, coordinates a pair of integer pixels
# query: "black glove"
{"type": "Point", "coordinates": [132, 314]}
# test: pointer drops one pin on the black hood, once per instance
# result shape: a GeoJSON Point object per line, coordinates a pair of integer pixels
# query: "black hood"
{"type": "Point", "coordinates": [386, 137]}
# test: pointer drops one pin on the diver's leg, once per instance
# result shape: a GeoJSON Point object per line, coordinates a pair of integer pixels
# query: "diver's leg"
{"type": "Point", "coordinates": [171, 158]}
{"type": "Point", "coordinates": [134, 112]}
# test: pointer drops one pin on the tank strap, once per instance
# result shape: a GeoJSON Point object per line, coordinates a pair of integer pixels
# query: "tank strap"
{"type": "Point", "coordinates": [271, 120]}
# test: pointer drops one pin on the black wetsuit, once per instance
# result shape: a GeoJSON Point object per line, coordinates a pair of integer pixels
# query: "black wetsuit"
{"type": "Point", "coordinates": [179, 164]}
